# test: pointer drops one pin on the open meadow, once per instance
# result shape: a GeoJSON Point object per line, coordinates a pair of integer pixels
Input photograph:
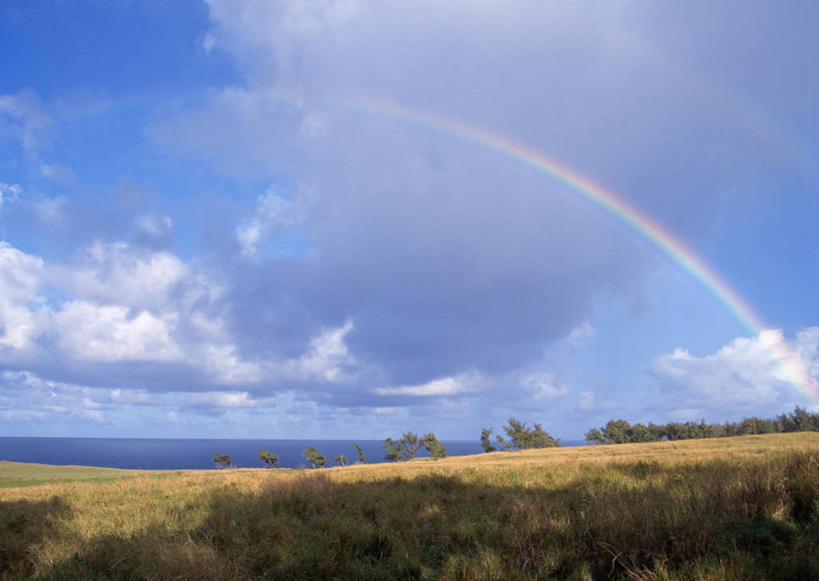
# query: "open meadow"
{"type": "Point", "coordinates": [729, 508]}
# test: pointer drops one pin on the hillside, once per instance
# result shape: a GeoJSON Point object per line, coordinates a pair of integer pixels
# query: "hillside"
{"type": "Point", "coordinates": [732, 508]}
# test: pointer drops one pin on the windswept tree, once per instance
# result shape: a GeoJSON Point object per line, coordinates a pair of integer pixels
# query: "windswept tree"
{"type": "Point", "coordinates": [799, 420]}
{"type": "Point", "coordinates": [391, 451]}
{"type": "Point", "coordinates": [341, 460]}
{"type": "Point", "coordinates": [223, 460]}
{"type": "Point", "coordinates": [502, 443]}
{"type": "Point", "coordinates": [435, 448]}
{"type": "Point", "coordinates": [486, 440]}
{"type": "Point", "coordinates": [594, 436]}
{"type": "Point", "coordinates": [315, 458]}
{"type": "Point", "coordinates": [269, 460]}
{"type": "Point", "coordinates": [404, 449]}
{"type": "Point", "coordinates": [361, 457]}
{"type": "Point", "coordinates": [523, 437]}
{"type": "Point", "coordinates": [541, 438]}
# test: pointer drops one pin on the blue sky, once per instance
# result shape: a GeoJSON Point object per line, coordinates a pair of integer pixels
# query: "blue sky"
{"type": "Point", "coordinates": [203, 237]}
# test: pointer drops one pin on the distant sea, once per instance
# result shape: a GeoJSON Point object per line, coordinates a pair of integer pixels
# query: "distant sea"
{"type": "Point", "coordinates": [181, 454]}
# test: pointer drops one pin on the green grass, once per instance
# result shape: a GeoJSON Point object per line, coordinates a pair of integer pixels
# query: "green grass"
{"type": "Point", "coordinates": [737, 508]}
{"type": "Point", "coordinates": [17, 474]}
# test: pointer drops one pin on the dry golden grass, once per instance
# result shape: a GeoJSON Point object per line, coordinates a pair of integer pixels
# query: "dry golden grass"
{"type": "Point", "coordinates": [724, 508]}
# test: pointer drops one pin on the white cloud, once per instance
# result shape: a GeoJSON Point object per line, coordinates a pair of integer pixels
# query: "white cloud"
{"type": "Point", "coordinates": [89, 332]}
{"type": "Point", "coordinates": [20, 273]}
{"type": "Point", "coordinates": [454, 385]}
{"type": "Point", "coordinates": [9, 193]}
{"type": "Point", "coordinates": [57, 172]}
{"type": "Point", "coordinates": [155, 226]}
{"type": "Point", "coordinates": [208, 42]}
{"type": "Point", "coordinates": [747, 373]}
{"type": "Point", "coordinates": [32, 397]}
{"type": "Point", "coordinates": [590, 401]}
{"type": "Point", "coordinates": [543, 385]}
{"type": "Point", "coordinates": [221, 359]}
{"type": "Point", "coordinates": [20, 282]}
{"type": "Point", "coordinates": [116, 273]}
{"type": "Point", "coordinates": [22, 116]}
{"type": "Point", "coordinates": [119, 304]}
{"type": "Point", "coordinates": [51, 211]}
{"type": "Point", "coordinates": [273, 211]}
{"type": "Point", "coordinates": [22, 416]}
{"type": "Point", "coordinates": [327, 359]}
{"type": "Point", "coordinates": [582, 334]}
{"type": "Point", "coordinates": [132, 396]}
{"type": "Point", "coordinates": [222, 399]}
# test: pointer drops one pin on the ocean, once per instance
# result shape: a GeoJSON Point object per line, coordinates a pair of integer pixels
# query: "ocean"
{"type": "Point", "coordinates": [182, 454]}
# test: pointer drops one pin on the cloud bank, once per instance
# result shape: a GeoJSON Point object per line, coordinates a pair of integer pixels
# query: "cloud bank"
{"type": "Point", "coordinates": [307, 254]}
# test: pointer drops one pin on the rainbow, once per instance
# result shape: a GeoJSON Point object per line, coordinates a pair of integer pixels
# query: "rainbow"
{"type": "Point", "coordinates": [792, 367]}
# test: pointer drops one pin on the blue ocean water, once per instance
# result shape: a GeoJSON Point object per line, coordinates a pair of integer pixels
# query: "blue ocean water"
{"type": "Point", "coordinates": [180, 454]}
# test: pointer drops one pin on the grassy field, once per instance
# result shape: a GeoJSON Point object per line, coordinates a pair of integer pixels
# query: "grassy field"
{"type": "Point", "coordinates": [730, 508]}
{"type": "Point", "coordinates": [17, 474]}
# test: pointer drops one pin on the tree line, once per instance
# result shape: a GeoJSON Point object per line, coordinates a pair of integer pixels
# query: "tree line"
{"type": "Point", "coordinates": [622, 432]}
{"type": "Point", "coordinates": [396, 450]}
{"type": "Point", "coordinates": [519, 436]}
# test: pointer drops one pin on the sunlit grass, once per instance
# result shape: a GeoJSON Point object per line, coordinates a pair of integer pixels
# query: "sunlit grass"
{"type": "Point", "coordinates": [16, 474]}
{"type": "Point", "coordinates": [733, 508]}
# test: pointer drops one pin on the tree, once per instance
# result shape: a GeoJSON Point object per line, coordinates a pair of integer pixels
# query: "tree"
{"type": "Point", "coordinates": [270, 460]}
{"type": "Point", "coordinates": [641, 433]}
{"type": "Point", "coordinates": [391, 448]}
{"type": "Point", "coordinates": [404, 449]}
{"type": "Point", "coordinates": [314, 457]}
{"type": "Point", "coordinates": [504, 445]}
{"type": "Point", "coordinates": [518, 434]}
{"type": "Point", "coordinates": [435, 448]}
{"type": "Point", "coordinates": [541, 439]}
{"type": "Point", "coordinates": [756, 426]}
{"type": "Point", "coordinates": [341, 460]}
{"type": "Point", "coordinates": [799, 420]}
{"type": "Point", "coordinates": [224, 460]}
{"type": "Point", "coordinates": [657, 431]}
{"type": "Point", "coordinates": [595, 436]}
{"type": "Point", "coordinates": [486, 442]}
{"type": "Point", "coordinates": [523, 437]}
{"type": "Point", "coordinates": [410, 444]}
{"type": "Point", "coordinates": [361, 457]}
{"type": "Point", "coordinates": [617, 431]}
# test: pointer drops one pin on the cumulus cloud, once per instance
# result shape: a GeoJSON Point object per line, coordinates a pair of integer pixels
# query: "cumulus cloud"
{"type": "Point", "coordinates": [89, 332]}
{"type": "Point", "coordinates": [118, 273]}
{"type": "Point", "coordinates": [20, 282]}
{"type": "Point", "coordinates": [116, 304]}
{"type": "Point", "coordinates": [747, 374]}
{"type": "Point", "coordinates": [112, 304]}
{"type": "Point", "coordinates": [446, 386]}
{"type": "Point", "coordinates": [327, 359]}
{"type": "Point", "coordinates": [544, 385]}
